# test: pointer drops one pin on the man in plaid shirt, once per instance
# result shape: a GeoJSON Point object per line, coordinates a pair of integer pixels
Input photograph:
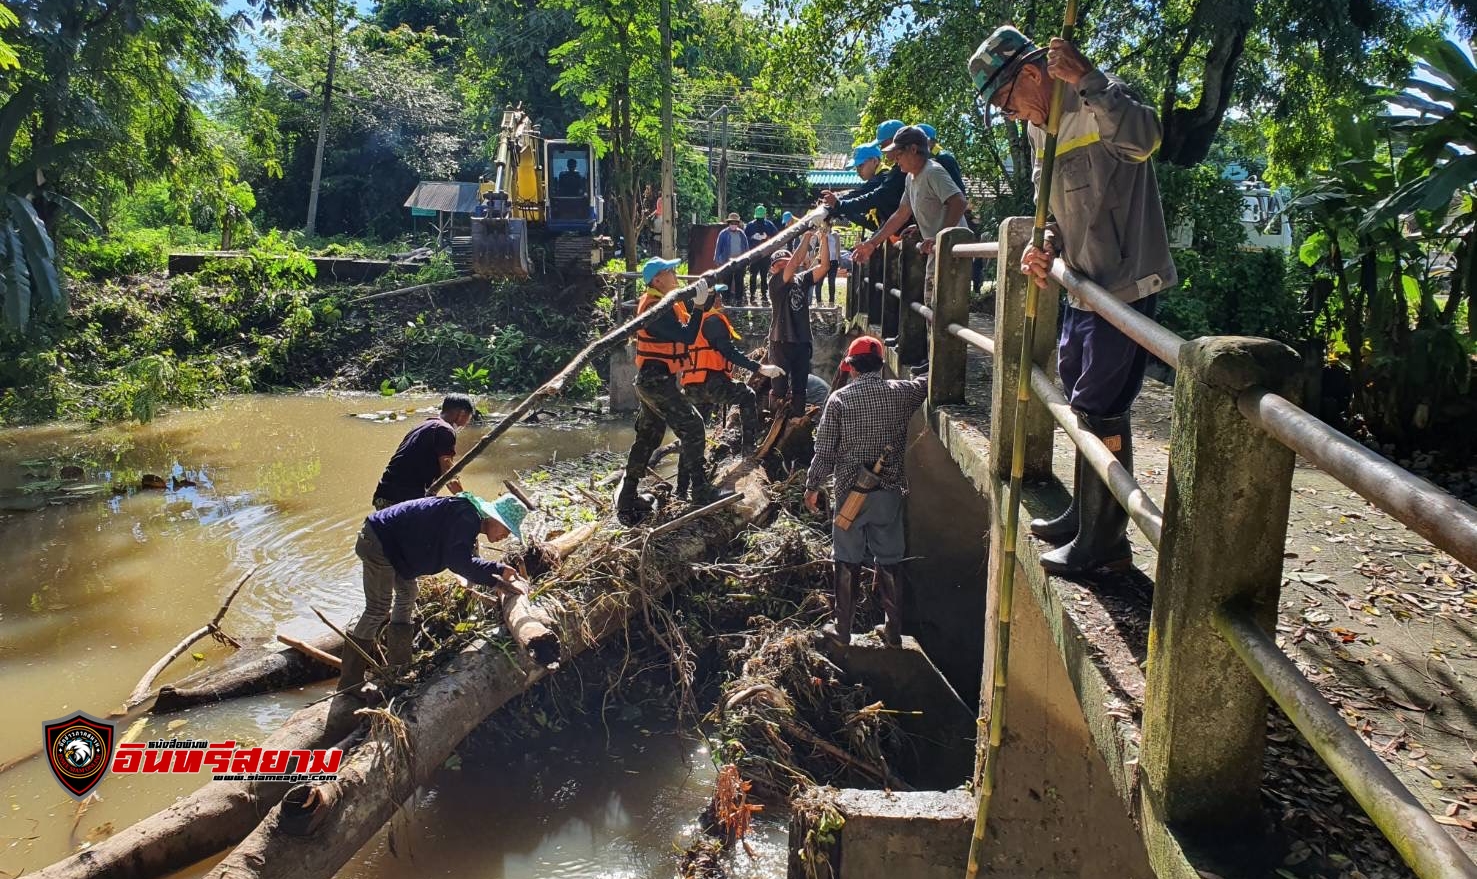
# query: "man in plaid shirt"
{"type": "Point", "coordinates": [869, 415]}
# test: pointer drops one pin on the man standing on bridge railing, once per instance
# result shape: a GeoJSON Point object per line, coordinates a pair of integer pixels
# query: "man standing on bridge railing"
{"type": "Point", "coordinates": [1109, 226]}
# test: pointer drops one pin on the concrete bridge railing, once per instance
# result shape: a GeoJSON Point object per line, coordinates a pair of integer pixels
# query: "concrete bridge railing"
{"type": "Point", "coordinates": [1212, 658]}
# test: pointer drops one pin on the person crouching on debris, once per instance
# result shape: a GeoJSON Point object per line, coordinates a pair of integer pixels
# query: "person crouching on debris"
{"type": "Point", "coordinates": [790, 345]}
{"type": "Point", "coordinates": [424, 454]}
{"type": "Point", "coordinates": [419, 538]}
{"type": "Point", "coordinates": [1102, 171]}
{"type": "Point", "coordinates": [862, 424]}
{"type": "Point", "coordinates": [707, 379]}
{"type": "Point", "coordinates": [661, 354]}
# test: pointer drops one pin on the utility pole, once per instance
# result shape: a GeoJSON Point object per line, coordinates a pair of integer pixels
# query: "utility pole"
{"type": "Point", "coordinates": [723, 171]}
{"type": "Point", "coordinates": [312, 227]}
{"type": "Point", "coordinates": [669, 201]}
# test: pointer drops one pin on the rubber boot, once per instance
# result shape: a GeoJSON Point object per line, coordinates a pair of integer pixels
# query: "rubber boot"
{"type": "Point", "coordinates": [684, 482]}
{"type": "Point", "coordinates": [350, 678]}
{"type": "Point", "coordinates": [890, 596]}
{"type": "Point", "coordinates": [630, 505]}
{"type": "Point", "coordinates": [704, 492]}
{"type": "Point", "coordinates": [844, 579]}
{"type": "Point", "coordinates": [398, 639]}
{"type": "Point", "coordinates": [1102, 534]}
{"type": "Point", "coordinates": [1063, 528]}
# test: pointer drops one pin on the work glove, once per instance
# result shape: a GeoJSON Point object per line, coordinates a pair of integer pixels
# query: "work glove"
{"type": "Point", "coordinates": [702, 294]}
{"type": "Point", "coordinates": [769, 370]}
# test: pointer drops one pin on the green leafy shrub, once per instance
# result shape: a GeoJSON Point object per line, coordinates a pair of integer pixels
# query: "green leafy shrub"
{"type": "Point", "coordinates": [1224, 289]}
{"type": "Point", "coordinates": [586, 386]}
{"type": "Point", "coordinates": [133, 253]}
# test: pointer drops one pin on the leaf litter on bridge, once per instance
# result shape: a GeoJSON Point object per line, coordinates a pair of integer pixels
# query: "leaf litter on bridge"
{"type": "Point", "coordinates": [1380, 621]}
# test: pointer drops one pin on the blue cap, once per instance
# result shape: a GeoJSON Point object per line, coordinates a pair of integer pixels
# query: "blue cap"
{"type": "Point", "coordinates": [863, 154]}
{"type": "Point", "coordinates": [655, 266]}
{"type": "Point", "coordinates": [885, 131]}
{"type": "Point", "coordinates": [929, 130]}
{"type": "Point", "coordinates": [787, 217]}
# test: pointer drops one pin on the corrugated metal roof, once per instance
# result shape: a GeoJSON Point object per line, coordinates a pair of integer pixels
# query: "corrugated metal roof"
{"type": "Point", "coordinates": [830, 161]}
{"type": "Point", "coordinates": [440, 195]}
{"type": "Point", "coordinates": [833, 179]}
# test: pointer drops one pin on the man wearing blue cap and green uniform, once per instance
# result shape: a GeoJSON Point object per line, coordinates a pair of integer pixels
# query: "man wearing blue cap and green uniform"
{"type": "Point", "coordinates": [1108, 225]}
{"type": "Point", "coordinates": [662, 353]}
{"type": "Point", "coordinates": [419, 538]}
{"type": "Point", "coordinates": [869, 206]}
{"type": "Point", "coordinates": [759, 230]}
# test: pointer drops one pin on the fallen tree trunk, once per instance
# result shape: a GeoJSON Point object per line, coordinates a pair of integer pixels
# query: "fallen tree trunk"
{"type": "Point", "coordinates": [253, 670]}
{"type": "Point", "coordinates": [195, 827]}
{"type": "Point", "coordinates": [319, 827]}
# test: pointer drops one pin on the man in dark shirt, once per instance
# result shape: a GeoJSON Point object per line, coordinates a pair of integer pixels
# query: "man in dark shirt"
{"type": "Point", "coordinates": [661, 355]}
{"type": "Point", "coordinates": [759, 231]}
{"type": "Point", "coordinates": [571, 183]}
{"type": "Point", "coordinates": [790, 345]}
{"type": "Point", "coordinates": [860, 421]}
{"type": "Point", "coordinates": [418, 538]}
{"type": "Point", "coordinates": [426, 452]}
{"type": "Point", "coordinates": [869, 206]}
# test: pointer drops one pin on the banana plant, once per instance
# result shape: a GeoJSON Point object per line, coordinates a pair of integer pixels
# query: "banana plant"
{"type": "Point", "coordinates": [29, 280]}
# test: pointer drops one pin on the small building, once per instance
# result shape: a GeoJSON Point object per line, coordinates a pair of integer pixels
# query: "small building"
{"type": "Point", "coordinates": [831, 171]}
{"type": "Point", "coordinates": [443, 201]}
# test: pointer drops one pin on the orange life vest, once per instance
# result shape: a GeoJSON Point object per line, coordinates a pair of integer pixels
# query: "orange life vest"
{"type": "Point", "coordinates": [650, 349]}
{"type": "Point", "coordinates": [704, 360]}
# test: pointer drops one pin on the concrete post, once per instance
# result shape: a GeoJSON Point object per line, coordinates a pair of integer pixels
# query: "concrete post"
{"type": "Point", "coordinates": [1010, 311]}
{"type": "Point", "coordinates": [912, 329]}
{"type": "Point", "coordinates": [950, 305]}
{"type": "Point", "coordinates": [856, 285]}
{"type": "Point", "coordinates": [906, 255]}
{"type": "Point", "coordinates": [1225, 524]}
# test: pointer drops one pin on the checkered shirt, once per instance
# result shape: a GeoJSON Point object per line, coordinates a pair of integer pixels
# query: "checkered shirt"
{"type": "Point", "coordinates": [860, 420]}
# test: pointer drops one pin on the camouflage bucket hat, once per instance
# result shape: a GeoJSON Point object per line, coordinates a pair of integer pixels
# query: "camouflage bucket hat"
{"type": "Point", "coordinates": [997, 57]}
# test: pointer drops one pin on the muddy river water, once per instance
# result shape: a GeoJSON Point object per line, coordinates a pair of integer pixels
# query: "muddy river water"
{"type": "Point", "coordinates": [93, 591]}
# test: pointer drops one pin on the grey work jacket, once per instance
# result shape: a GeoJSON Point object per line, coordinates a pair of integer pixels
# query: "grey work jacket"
{"type": "Point", "coordinates": [1109, 223]}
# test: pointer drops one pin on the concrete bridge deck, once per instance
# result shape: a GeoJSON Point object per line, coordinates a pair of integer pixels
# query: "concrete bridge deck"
{"type": "Point", "coordinates": [1381, 622]}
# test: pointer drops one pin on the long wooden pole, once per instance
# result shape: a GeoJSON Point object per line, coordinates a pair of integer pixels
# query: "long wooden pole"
{"type": "Point", "coordinates": [555, 386]}
{"type": "Point", "coordinates": [1007, 561]}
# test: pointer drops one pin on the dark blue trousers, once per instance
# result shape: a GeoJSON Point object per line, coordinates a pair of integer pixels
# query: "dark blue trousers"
{"type": "Point", "coordinates": [1102, 370]}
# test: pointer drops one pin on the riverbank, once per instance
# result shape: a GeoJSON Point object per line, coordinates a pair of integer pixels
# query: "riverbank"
{"type": "Point", "coordinates": [132, 346]}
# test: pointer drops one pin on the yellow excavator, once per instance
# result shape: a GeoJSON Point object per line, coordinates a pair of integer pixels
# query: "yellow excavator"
{"type": "Point", "coordinates": [541, 197]}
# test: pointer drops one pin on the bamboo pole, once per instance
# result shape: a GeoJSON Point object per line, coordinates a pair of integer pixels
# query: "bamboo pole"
{"type": "Point", "coordinates": [1007, 561]}
{"type": "Point", "coordinates": [555, 386]}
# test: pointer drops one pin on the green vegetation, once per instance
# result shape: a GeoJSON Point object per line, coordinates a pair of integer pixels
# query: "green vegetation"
{"type": "Point", "coordinates": [133, 128]}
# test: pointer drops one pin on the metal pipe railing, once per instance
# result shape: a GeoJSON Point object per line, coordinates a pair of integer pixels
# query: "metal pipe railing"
{"type": "Point", "coordinates": [1421, 842]}
{"type": "Point", "coordinates": [1156, 338]}
{"type": "Point", "coordinates": [972, 337]}
{"type": "Point", "coordinates": [978, 250]}
{"type": "Point", "coordinates": [1448, 523]}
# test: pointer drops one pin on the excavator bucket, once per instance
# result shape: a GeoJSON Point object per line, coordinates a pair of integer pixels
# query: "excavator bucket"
{"type": "Point", "coordinates": [500, 248]}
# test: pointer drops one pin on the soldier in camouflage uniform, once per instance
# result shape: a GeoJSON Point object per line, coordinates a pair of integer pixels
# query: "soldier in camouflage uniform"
{"type": "Point", "coordinates": [661, 354]}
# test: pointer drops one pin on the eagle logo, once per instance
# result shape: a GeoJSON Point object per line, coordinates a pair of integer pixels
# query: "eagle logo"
{"type": "Point", "coordinates": [79, 749]}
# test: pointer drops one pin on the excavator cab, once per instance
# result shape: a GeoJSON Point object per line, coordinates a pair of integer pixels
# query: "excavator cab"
{"type": "Point", "coordinates": [573, 185]}
{"type": "Point", "coordinates": [549, 189]}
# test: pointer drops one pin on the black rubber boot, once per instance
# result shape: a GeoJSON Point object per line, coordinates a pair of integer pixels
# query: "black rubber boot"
{"type": "Point", "coordinates": [1102, 534]}
{"type": "Point", "coordinates": [839, 629]}
{"type": "Point", "coordinates": [1063, 528]}
{"type": "Point", "coordinates": [890, 596]}
{"type": "Point", "coordinates": [630, 505]}
{"type": "Point", "coordinates": [704, 492]}
{"type": "Point", "coordinates": [398, 638]}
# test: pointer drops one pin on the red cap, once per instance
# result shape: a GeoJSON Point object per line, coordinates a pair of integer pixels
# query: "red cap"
{"type": "Point", "coordinates": [861, 345]}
